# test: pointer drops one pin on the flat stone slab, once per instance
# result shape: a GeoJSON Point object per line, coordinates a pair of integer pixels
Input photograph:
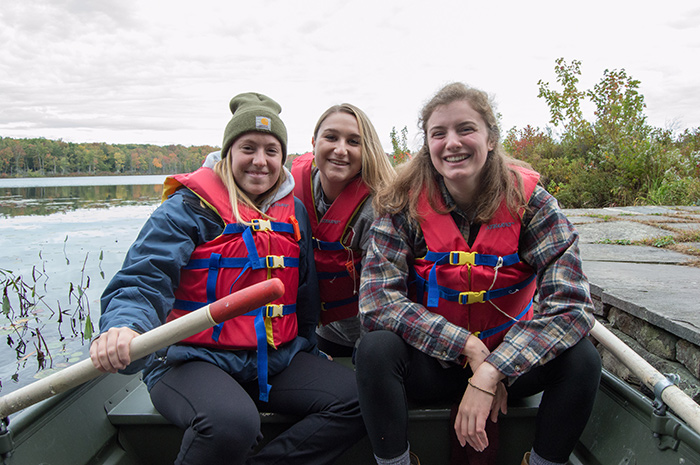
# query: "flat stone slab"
{"type": "Point", "coordinates": [631, 254]}
{"type": "Point", "coordinates": [645, 210]}
{"type": "Point", "coordinates": [689, 208]}
{"type": "Point", "coordinates": [590, 212]}
{"type": "Point", "coordinates": [584, 220]}
{"type": "Point", "coordinates": [667, 296]}
{"type": "Point", "coordinates": [618, 231]}
{"type": "Point", "coordinates": [683, 226]}
{"type": "Point", "coordinates": [654, 211]}
{"type": "Point", "coordinates": [656, 219]}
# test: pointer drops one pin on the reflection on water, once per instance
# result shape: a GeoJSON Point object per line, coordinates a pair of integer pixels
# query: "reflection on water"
{"type": "Point", "coordinates": [44, 196]}
{"type": "Point", "coordinates": [23, 201]}
{"type": "Point", "coordinates": [56, 237]}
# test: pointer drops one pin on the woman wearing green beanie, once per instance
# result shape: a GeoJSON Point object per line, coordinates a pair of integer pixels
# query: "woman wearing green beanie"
{"type": "Point", "coordinates": [220, 229]}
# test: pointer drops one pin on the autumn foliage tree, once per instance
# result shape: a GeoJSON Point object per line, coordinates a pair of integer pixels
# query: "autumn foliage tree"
{"type": "Point", "coordinates": [616, 157]}
{"type": "Point", "coordinates": [399, 143]}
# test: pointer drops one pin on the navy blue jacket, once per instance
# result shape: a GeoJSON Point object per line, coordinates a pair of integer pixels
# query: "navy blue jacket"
{"type": "Point", "coordinates": [142, 293]}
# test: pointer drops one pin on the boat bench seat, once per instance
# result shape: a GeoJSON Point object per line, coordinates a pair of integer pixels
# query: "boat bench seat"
{"type": "Point", "coordinates": [133, 406]}
{"type": "Point", "coordinates": [139, 424]}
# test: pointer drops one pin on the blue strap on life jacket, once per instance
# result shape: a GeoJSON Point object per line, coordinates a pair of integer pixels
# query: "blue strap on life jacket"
{"type": "Point", "coordinates": [259, 225]}
{"type": "Point", "coordinates": [461, 258]}
{"type": "Point", "coordinates": [269, 261]}
{"type": "Point", "coordinates": [467, 297]}
{"type": "Point", "coordinates": [338, 303]}
{"type": "Point", "coordinates": [260, 332]}
{"type": "Point", "coordinates": [261, 335]}
{"type": "Point", "coordinates": [273, 311]}
{"type": "Point", "coordinates": [458, 257]}
{"type": "Point", "coordinates": [214, 265]}
{"type": "Point", "coordinates": [269, 311]}
{"type": "Point", "coordinates": [330, 275]}
{"type": "Point", "coordinates": [327, 246]}
{"type": "Point", "coordinates": [504, 326]}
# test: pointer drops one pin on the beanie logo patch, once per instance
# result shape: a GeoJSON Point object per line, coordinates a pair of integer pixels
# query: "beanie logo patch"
{"type": "Point", "coordinates": [263, 122]}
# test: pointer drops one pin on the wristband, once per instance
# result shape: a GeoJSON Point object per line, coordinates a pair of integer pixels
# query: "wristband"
{"type": "Point", "coordinates": [492, 394]}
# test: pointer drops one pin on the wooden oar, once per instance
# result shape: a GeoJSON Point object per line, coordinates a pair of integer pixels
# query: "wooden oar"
{"type": "Point", "coordinates": [233, 305]}
{"type": "Point", "coordinates": [681, 404]}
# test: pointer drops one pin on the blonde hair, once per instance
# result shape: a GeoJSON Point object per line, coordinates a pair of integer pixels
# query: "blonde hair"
{"type": "Point", "coordinates": [224, 169]}
{"type": "Point", "coordinates": [495, 184]}
{"type": "Point", "coordinates": [376, 171]}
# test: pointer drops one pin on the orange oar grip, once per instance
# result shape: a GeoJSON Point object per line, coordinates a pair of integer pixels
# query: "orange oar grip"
{"type": "Point", "coordinates": [245, 300]}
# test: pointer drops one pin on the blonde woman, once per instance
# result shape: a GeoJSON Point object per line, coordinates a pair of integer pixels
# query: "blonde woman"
{"type": "Point", "coordinates": [213, 235]}
{"type": "Point", "coordinates": [465, 239]}
{"type": "Point", "coordinates": [337, 183]}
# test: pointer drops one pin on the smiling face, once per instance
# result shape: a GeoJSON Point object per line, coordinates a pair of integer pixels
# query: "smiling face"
{"type": "Point", "coordinates": [338, 152]}
{"type": "Point", "coordinates": [256, 162]}
{"type": "Point", "coordinates": [458, 139]}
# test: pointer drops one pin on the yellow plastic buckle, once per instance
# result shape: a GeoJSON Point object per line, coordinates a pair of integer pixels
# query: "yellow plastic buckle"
{"type": "Point", "coordinates": [470, 297]}
{"type": "Point", "coordinates": [462, 258]}
{"type": "Point", "coordinates": [274, 261]}
{"type": "Point", "coordinates": [261, 225]}
{"type": "Point", "coordinates": [274, 310]}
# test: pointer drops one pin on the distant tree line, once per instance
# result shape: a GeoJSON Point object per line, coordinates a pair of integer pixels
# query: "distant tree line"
{"type": "Point", "coordinates": [44, 157]}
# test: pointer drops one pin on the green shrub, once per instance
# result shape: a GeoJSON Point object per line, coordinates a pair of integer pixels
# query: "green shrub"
{"type": "Point", "coordinates": [680, 191]}
{"type": "Point", "coordinates": [617, 159]}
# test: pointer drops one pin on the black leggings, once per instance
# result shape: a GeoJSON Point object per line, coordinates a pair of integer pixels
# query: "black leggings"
{"type": "Point", "coordinates": [389, 371]}
{"type": "Point", "coordinates": [222, 424]}
{"type": "Point", "coordinates": [334, 349]}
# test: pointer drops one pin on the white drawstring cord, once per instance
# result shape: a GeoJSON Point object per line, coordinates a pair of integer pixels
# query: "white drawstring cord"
{"type": "Point", "coordinates": [499, 264]}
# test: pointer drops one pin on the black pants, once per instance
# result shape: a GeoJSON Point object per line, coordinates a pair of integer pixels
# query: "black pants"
{"type": "Point", "coordinates": [334, 349]}
{"type": "Point", "coordinates": [389, 371]}
{"type": "Point", "coordinates": [222, 424]}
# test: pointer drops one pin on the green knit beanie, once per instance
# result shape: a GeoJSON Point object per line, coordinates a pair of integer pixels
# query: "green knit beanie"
{"type": "Point", "coordinates": [254, 112]}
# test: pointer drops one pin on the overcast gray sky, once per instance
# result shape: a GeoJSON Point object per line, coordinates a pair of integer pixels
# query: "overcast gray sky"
{"type": "Point", "coordinates": [163, 72]}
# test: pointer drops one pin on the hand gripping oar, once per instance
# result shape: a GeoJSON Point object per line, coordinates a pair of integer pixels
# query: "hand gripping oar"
{"type": "Point", "coordinates": [681, 404]}
{"type": "Point", "coordinates": [231, 306]}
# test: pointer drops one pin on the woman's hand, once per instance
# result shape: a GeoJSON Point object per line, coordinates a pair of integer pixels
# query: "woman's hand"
{"type": "Point", "coordinates": [484, 397]}
{"type": "Point", "coordinates": [110, 351]}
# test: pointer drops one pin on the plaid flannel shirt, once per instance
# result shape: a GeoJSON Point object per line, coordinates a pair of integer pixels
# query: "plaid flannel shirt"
{"type": "Point", "coordinates": [548, 243]}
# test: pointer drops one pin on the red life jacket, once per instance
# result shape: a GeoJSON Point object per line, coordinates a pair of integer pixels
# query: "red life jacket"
{"type": "Point", "coordinates": [337, 265]}
{"type": "Point", "coordinates": [244, 254]}
{"type": "Point", "coordinates": [464, 283]}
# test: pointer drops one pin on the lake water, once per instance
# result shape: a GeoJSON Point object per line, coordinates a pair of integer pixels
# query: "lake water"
{"type": "Point", "coordinates": [58, 234]}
